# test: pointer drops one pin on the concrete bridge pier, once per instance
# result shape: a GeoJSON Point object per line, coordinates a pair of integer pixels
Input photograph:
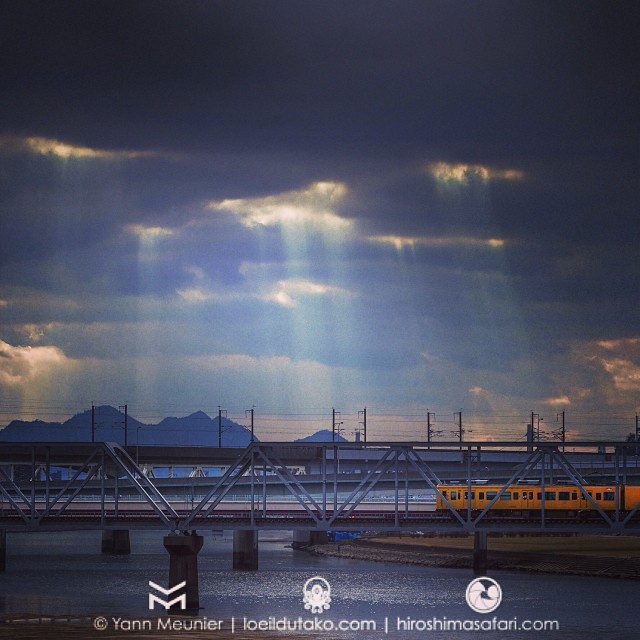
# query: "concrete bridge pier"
{"type": "Point", "coordinates": [480, 553]}
{"type": "Point", "coordinates": [116, 541]}
{"type": "Point", "coordinates": [308, 537]}
{"type": "Point", "coordinates": [3, 550]}
{"type": "Point", "coordinates": [183, 567]}
{"type": "Point", "coordinates": [245, 550]}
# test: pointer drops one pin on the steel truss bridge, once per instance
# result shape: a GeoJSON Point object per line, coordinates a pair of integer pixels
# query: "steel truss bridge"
{"type": "Point", "coordinates": [107, 487]}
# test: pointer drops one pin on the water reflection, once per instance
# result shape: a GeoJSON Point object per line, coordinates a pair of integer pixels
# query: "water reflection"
{"type": "Point", "coordinates": [65, 574]}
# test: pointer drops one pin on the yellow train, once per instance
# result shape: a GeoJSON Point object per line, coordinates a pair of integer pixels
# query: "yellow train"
{"type": "Point", "coordinates": [523, 498]}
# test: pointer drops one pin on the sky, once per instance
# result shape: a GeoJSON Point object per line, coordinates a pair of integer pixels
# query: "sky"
{"type": "Point", "coordinates": [410, 206]}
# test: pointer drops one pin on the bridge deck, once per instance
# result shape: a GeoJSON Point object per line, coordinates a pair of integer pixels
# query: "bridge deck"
{"type": "Point", "coordinates": [345, 477]}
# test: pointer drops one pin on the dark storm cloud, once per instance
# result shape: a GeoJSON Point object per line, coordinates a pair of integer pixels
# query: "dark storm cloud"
{"type": "Point", "coordinates": [547, 88]}
{"type": "Point", "coordinates": [462, 78]}
{"type": "Point", "coordinates": [160, 163]}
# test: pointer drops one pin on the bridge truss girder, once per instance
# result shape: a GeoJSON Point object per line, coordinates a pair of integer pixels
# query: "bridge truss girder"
{"type": "Point", "coordinates": [322, 516]}
{"type": "Point", "coordinates": [330, 510]}
{"type": "Point", "coordinates": [103, 460]}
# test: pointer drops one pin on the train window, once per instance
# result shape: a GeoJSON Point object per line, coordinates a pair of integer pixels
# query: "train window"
{"type": "Point", "coordinates": [609, 495]}
{"type": "Point", "coordinates": [598, 496]}
{"type": "Point", "coordinates": [506, 495]}
{"type": "Point", "coordinates": [549, 495]}
{"type": "Point", "coordinates": [466, 495]}
{"type": "Point", "coordinates": [530, 495]}
{"type": "Point", "coordinates": [454, 495]}
{"type": "Point", "coordinates": [515, 495]}
{"type": "Point", "coordinates": [574, 495]}
{"type": "Point", "coordinates": [444, 494]}
{"type": "Point", "coordinates": [563, 495]}
{"type": "Point", "coordinates": [491, 495]}
{"type": "Point", "coordinates": [481, 495]}
{"type": "Point", "coordinates": [539, 496]}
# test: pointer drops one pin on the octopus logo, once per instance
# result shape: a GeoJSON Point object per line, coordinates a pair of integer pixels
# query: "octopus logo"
{"type": "Point", "coordinates": [317, 594]}
{"type": "Point", "coordinates": [484, 595]}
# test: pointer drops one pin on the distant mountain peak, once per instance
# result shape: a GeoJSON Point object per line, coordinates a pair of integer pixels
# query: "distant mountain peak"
{"type": "Point", "coordinates": [199, 415]}
{"type": "Point", "coordinates": [197, 429]}
{"type": "Point", "coordinates": [102, 413]}
{"type": "Point", "coordinates": [324, 435]}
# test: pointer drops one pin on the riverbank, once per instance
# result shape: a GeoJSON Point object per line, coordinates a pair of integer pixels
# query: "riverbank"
{"type": "Point", "coordinates": [602, 556]}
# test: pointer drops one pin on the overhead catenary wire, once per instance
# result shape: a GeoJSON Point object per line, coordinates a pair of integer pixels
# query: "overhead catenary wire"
{"type": "Point", "coordinates": [383, 424]}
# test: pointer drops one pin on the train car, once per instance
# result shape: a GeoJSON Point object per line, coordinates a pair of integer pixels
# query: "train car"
{"type": "Point", "coordinates": [631, 497]}
{"type": "Point", "coordinates": [522, 499]}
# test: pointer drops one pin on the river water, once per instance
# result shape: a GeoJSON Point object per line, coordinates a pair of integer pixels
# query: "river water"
{"type": "Point", "coordinates": [53, 574]}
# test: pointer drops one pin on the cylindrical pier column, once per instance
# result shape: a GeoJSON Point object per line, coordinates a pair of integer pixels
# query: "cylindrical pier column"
{"type": "Point", "coordinates": [3, 550]}
{"type": "Point", "coordinates": [245, 550]}
{"type": "Point", "coordinates": [183, 567]}
{"type": "Point", "coordinates": [116, 541]}
{"type": "Point", "coordinates": [480, 553]}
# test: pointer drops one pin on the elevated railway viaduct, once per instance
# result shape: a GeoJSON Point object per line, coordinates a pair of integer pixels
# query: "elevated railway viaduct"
{"type": "Point", "coordinates": [311, 489]}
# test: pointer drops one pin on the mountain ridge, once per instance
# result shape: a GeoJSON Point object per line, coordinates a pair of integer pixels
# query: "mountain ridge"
{"type": "Point", "coordinates": [196, 429]}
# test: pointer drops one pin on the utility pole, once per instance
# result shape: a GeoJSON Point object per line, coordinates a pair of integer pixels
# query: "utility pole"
{"type": "Point", "coordinates": [93, 422]}
{"type": "Point", "coordinates": [126, 423]}
{"type": "Point", "coordinates": [430, 430]}
{"type": "Point", "coordinates": [220, 412]}
{"type": "Point", "coordinates": [335, 428]}
{"type": "Point", "coordinates": [251, 412]}
{"type": "Point", "coordinates": [363, 413]}
{"type": "Point", "coordinates": [533, 434]}
{"type": "Point", "coordinates": [530, 437]}
{"type": "Point", "coordinates": [535, 425]}
{"type": "Point", "coordinates": [461, 430]}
